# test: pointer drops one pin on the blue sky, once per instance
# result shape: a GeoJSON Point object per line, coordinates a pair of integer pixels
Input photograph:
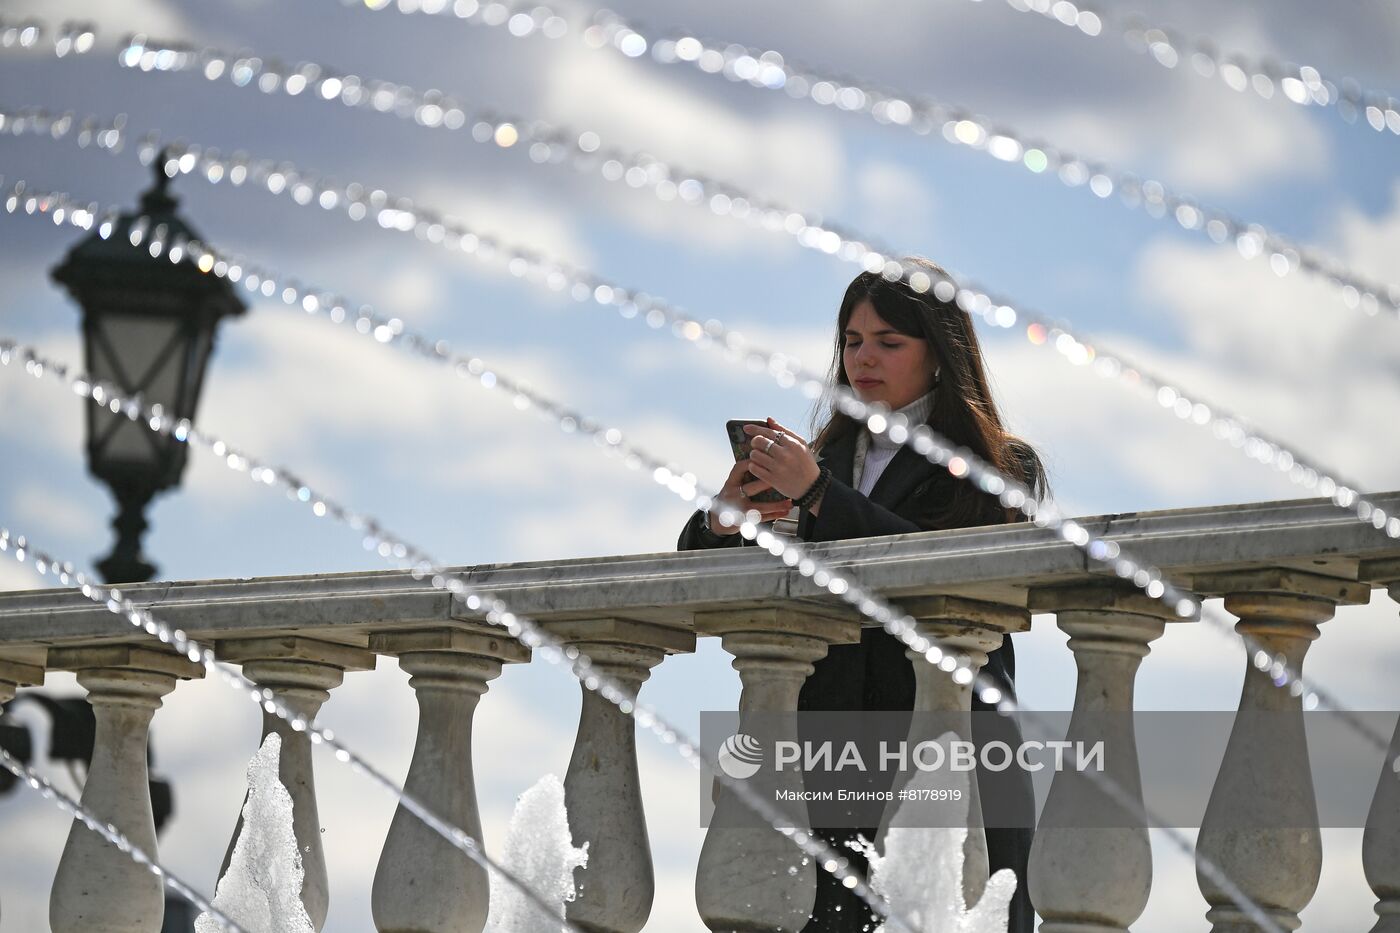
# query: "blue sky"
{"type": "Point", "coordinates": [457, 471]}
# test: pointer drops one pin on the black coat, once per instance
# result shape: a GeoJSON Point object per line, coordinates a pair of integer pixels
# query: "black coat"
{"type": "Point", "coordinates": [876, 674]}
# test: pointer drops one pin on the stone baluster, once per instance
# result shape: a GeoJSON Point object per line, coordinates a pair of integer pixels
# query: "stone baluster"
{"type": "Point", "coordinates": [1085, 877]}
{"type": "Point", "coordinates": [1380, 843]}
{"type": "Point", "coordinates": [301, 671]}
{"type": "Point", "coordinates": [98, 887]}
{"type": "Point", "coordinates": [423, 884]}
{"type": "Point", "coordinates": [601, 788]}
{"type": "Point", "coordinates": [1261, 826]}
{"type": "Point", "coordinates": [15, 674]}
{"type": "Point", "coordinates": [756, 879]}
{"type": "Point", "coordinates": [971, 628]}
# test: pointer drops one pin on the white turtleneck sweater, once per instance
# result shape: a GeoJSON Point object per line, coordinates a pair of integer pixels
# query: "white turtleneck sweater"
{"type": "Point", "coordinates": [874, 452]}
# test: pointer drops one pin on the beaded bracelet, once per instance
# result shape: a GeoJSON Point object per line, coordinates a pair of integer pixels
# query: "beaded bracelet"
{"type": "Point", "coordinates": [708, 535]}
{"type": "Point", "coordinates": [814, 492]}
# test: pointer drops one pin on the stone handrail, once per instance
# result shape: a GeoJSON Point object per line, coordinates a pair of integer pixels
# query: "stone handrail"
{"type": "Point", "coordinates": [1282, 568]}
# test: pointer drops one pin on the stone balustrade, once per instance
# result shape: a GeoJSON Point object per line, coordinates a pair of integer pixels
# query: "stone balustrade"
{"type": "Point", "coordinates": [1282, 569]}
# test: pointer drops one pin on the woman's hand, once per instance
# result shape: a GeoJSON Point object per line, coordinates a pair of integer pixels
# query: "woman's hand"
{"type": "Point", "coordinates": [781, 458]}
{"type": "Point", "coordinates": [738, 486]}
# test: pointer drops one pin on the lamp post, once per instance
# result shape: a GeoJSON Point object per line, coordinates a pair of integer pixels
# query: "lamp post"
{"type": "Point", "coordinates": [148, 329]}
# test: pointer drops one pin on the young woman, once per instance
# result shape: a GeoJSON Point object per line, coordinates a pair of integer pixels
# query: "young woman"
{"type": "Point", "coordinates": [920, 357]}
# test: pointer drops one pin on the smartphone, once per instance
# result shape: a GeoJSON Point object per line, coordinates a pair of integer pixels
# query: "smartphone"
{"type": "Point", "coordinates": [739, 441]}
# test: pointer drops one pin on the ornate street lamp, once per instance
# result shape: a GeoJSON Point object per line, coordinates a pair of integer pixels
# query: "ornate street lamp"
{"type": "Point", "coordinates": [148, 329]}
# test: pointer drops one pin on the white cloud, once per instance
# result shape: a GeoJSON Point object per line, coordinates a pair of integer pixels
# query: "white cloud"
{"type": "Point", "coordinates": [291, 397]}
{"type": "Point", "coordinates": [418, 293]}
{"type": "Point", "coordinates": [1110, 449]}
{"type": "Point", "coordinates": [795, 159]}
{"type": "Point", "coordinates": [809, 344]}
{"type": "Point", "coordinates": [1354, 39]}
{"type": "Point", "coordinates": [585, 528]}
{"type": "Point", "coordinates": [888, 185]}
{"type": "Point", "coordinates": [577, 489]}
{"type": "Point", "coordinates": [15, 576]}
{"type": "Point", "coordinates": [47, 417]}
{"type": "Point", "coordinates": [283, 397]}
{"type": "Point", "coordinates": [894, 200]}
{"type": "Point", "coordinates": [113, 18]}
{"type": "Point", "coordinates": [412, 280]}
{"type": "Point", "coordinates": [39, 505]}
{"type": "Point", "coordinates": [1284, 353]}
{"type": "Point", "coordinates": [1182, 135]}
{"type": "Point", "coordinates": [800, 157]}
{"type": "Point", "coordinates": [1280, 144]}
{"type": "Point", "coordinates": [1369, 244]}
{"type": "Point", "coordinates": [397, 397]}
{"type": "Point", "coordinates": [521, 219]}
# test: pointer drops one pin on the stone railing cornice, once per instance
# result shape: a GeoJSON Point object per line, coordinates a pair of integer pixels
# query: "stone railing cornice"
{"type": "Point", "coordinates": [1000, 564]}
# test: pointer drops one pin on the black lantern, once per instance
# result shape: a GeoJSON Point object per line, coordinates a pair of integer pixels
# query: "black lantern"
{"type": "Point", "coordinates": [148, 329]}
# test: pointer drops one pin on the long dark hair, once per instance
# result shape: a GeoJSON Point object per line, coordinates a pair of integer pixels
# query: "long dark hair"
{"type": "Point", "coordinates": [963, 409]}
